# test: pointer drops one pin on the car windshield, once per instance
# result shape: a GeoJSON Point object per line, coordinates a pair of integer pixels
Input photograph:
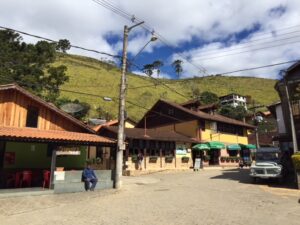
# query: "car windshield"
{"type": "Point", "coordinates": [267, 156]}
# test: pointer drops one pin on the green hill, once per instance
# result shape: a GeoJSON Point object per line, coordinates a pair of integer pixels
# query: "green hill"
{"type": "Point", "coordinates": [98, 78]}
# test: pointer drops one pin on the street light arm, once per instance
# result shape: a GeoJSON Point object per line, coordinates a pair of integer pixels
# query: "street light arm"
{"type": "Point", "coordinates": [135, 25]}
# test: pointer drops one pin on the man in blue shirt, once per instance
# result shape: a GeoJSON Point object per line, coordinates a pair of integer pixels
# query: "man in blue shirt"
{"type": "Point", "coordinates": [89, 177]}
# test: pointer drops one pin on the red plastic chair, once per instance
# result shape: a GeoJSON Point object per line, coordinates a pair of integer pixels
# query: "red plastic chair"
{"type": "Point", "coordinates": [46, 176]}
{"type": "Point", "coordinates": [26, 178]}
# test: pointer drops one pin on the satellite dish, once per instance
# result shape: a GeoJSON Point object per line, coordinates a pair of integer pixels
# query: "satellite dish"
{"type": "Point", "coordinates": [71, 108]}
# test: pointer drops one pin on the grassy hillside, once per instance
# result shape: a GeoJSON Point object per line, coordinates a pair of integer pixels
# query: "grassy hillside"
{"type": "Point", "coordinates": [98, 78]}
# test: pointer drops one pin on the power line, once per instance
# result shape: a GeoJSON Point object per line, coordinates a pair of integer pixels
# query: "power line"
{"type": "Point", "coordinates": [136, 20]}
{"type": "Point", "coordinates": [127, 101]}
{"type": "Point", "coordinates": [162, 83]}
{"type": "Point", "coordinates": [237, 53]}
{"type": "Point", "coordinates": [260, 67]}
{"type": "Point", "coordinates": [216, 52]}
{"type": "Point", "coordinates": [50, 40]}
{"type": "Point", "coordinates": [235, 71]}
{"type": "Point", "coordinates": [254, 40]}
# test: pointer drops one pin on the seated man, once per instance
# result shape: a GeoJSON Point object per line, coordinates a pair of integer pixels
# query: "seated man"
{"type": "Point", "coordinates": [89, 176]}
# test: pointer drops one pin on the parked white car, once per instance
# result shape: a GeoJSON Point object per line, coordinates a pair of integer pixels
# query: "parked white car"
{"type": "Point", "coordinates": [267, 164]}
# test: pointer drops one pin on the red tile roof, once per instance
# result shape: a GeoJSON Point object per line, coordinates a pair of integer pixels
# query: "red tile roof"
{"type": "Point", "coordinates": [109, 123]}
{"type": "Point", "coordinates": [34, 134]}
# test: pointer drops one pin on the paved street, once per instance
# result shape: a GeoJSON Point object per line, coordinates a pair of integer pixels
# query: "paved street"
{"type": "Point", "coordinates": [204, 197]}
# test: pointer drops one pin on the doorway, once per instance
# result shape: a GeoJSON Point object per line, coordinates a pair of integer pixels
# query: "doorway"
{"type": "Point", "coordinates": [214, 156]}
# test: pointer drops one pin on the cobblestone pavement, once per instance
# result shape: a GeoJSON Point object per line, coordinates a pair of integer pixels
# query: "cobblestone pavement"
{"type": "Point", "coordinates": [204, 197]}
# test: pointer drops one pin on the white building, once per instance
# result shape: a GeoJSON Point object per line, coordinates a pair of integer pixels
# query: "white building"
{"type": "Point", "coordinates": [233, 100]}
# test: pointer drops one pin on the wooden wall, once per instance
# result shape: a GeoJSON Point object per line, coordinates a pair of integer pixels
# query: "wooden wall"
{"type": "Point", "coordinates": [13, 112]}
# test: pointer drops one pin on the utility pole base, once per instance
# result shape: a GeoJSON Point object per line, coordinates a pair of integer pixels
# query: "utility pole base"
{"type": "Point", "coordinates": [118, 184]}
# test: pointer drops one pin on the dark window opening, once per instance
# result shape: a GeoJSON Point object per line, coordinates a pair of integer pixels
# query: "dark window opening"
{"type": "Point", "coordinates": [230, 129]}
{"type": "Point", "coordinates": [99, 152]}
{"type": "Point", "coordinates": [32, 116]}
{"type": "Point", "coordinates": [232, 152]}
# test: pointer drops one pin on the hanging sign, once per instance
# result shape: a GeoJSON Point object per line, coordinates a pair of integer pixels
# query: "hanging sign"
{"type": "Point", "coordinates": [68, 151]}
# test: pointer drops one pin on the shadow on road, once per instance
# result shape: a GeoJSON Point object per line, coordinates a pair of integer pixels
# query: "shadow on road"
{"type": "Point", "coordinates": [242, 176]}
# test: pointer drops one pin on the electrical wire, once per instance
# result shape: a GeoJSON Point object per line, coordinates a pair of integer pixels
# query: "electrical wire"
{"type": "Point", "coordinates": [136, 20]}
{"type": "Point", "coordinates": [237, 53]}
{"type": "Point", "coordinates": [53, 41]}
{"type": "Point", "coordinates": [250, 41]}
{"type": "Point", "coordinates": [242, 47]}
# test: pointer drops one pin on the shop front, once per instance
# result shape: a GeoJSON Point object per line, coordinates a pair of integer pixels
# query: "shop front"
{"type": "Point", "coordinates": [219, 154]}
{"type": "Point", "coordinates": [152, 150]}
{"type": "Point", "coordinates": [38, 160]}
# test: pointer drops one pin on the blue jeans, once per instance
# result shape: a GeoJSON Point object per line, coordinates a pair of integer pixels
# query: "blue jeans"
{"type": "Point", "coordinates": [89, 181]}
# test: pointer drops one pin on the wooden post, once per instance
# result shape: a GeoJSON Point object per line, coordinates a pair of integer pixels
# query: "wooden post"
{"type": "Point", "coordinates": [175, 158]}
{"type": "Point", "coordinates": [160, 155]}
{"type": "Point", "coordinates": [53, 166]}
{"type": "Point", "coordinates": [145, 156]}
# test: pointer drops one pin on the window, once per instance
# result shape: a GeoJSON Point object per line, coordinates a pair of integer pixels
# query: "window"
{"type": "Point", "coordinates": [32, 116]}
{"type": "Point", "coordinates": [232, 152]}
{"type": "Point", "coordinates": [230, 129]}
{"type": "Point", "coordinates": [99, 152]}
{"type": "Point", "coordinates": [171, 111]}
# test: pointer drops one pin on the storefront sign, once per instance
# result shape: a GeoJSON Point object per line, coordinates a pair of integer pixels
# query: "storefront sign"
{"type": "Point", "coordinates": [68, 153]}
{"type": "Point", "coordinates": [197, 163]}
{"type": "Point", "coordinates": [59, 175]}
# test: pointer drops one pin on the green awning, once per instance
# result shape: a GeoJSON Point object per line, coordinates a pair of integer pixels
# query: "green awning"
{"type": "Point", "coordinates": [201, 147]}
{"type": "Point", "coordinates": [249, 146]}
{"type": "Point", "coordinates": [234, 147]}
{"type": "Point", "coordinates": [215, 145]}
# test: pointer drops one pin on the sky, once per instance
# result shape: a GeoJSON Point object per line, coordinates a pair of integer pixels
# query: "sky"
{"type": "Point", "coordinates": [209, 36]}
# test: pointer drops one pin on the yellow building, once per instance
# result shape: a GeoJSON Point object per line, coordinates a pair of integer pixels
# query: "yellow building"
{"type": "Point", "coordinates": [202, 124]}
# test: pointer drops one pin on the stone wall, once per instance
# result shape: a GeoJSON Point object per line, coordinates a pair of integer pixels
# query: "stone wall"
{"type": "Point", "coordinates": [71, 181]}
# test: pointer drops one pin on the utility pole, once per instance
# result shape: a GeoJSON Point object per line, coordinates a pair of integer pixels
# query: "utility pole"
{"type": "Point", "coordinates": [121, 142]}
{"type": "Point", "coordinates": [294, 137]}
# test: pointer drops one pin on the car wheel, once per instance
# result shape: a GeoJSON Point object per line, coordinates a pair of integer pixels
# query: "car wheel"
{"type": "Point", "coordinates": [254, 180]}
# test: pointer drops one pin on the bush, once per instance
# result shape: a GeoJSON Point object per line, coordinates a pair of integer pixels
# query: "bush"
{"type": "Point", "coordinates": [296, 160]}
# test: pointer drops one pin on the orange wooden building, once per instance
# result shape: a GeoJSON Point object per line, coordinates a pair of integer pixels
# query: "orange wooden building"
{"type": "Point", "coordinates": [32, 135]}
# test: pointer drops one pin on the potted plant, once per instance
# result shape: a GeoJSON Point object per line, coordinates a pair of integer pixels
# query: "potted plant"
{"type": "Point", "coordinates": [296, 163]}
{"type": "Point", "coordinates": [185, 159]}
{"type": "Point", "coordinates": [237, 159]}
{"type": "Point", "coordinates": [169, 159]}
{"type": "Point", "coordinates": [227, 159]}
{"type": "Point", "coordinates": [222, 159]}
{"type": "Point", "coordinates": [232, 159]}
{"type": "Point", "coordinates": [153, 159]}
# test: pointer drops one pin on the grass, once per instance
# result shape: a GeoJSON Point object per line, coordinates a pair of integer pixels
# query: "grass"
{"type": "Point", "coordinates": [98, 78]}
